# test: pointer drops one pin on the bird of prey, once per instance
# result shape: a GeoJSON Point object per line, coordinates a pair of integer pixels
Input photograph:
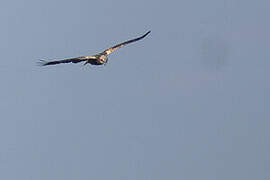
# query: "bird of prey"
{"type": "Point", "coordinates": [98, 59]}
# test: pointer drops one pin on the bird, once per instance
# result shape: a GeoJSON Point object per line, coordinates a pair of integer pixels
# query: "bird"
{"type": "Point", "coordinates": [98, 59]}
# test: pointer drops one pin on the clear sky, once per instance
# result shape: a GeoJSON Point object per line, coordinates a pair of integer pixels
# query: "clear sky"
{"type": "Point", "coordinates": [190, 101]}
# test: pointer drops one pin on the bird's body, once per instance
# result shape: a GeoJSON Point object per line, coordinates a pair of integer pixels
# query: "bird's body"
{"type": "Point", "coordinates": [98, 59]}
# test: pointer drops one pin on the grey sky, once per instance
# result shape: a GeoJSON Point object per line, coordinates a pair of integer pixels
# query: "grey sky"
{"type": "Point", "coordinates": [190, 101]}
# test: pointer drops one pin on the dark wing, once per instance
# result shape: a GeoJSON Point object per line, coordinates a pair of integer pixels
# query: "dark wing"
{"type": "Point", "coordinates": [68, 60]}
{"type": "Point", "coordinates": [110, 50]}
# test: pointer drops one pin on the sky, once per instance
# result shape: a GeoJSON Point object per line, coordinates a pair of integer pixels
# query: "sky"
{"type": "Point", "coordinates": [190, 101]}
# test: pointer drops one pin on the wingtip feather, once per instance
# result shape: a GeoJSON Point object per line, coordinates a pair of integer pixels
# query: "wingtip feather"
{"type": "Point", "coordinates": [146, 33]}
{"type": "Point", "coordinates": [42, 62]}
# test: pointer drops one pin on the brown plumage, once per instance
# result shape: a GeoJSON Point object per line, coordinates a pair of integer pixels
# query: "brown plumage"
{"type": "Point", "coordinates": [98, 59]}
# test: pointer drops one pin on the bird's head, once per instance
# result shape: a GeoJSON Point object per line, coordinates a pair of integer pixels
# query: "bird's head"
{"type": "Point", "coordinates": [103, 59]}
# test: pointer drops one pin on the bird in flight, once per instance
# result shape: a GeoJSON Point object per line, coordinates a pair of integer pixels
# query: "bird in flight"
{"type": "Point", "coordinates": [98, 59]}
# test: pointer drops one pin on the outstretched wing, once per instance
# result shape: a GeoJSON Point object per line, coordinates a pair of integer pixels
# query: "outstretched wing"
{"type": "Point", "coordinates": [110, 50]}
{"type": "Point", "coordinates": [68, 60]}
